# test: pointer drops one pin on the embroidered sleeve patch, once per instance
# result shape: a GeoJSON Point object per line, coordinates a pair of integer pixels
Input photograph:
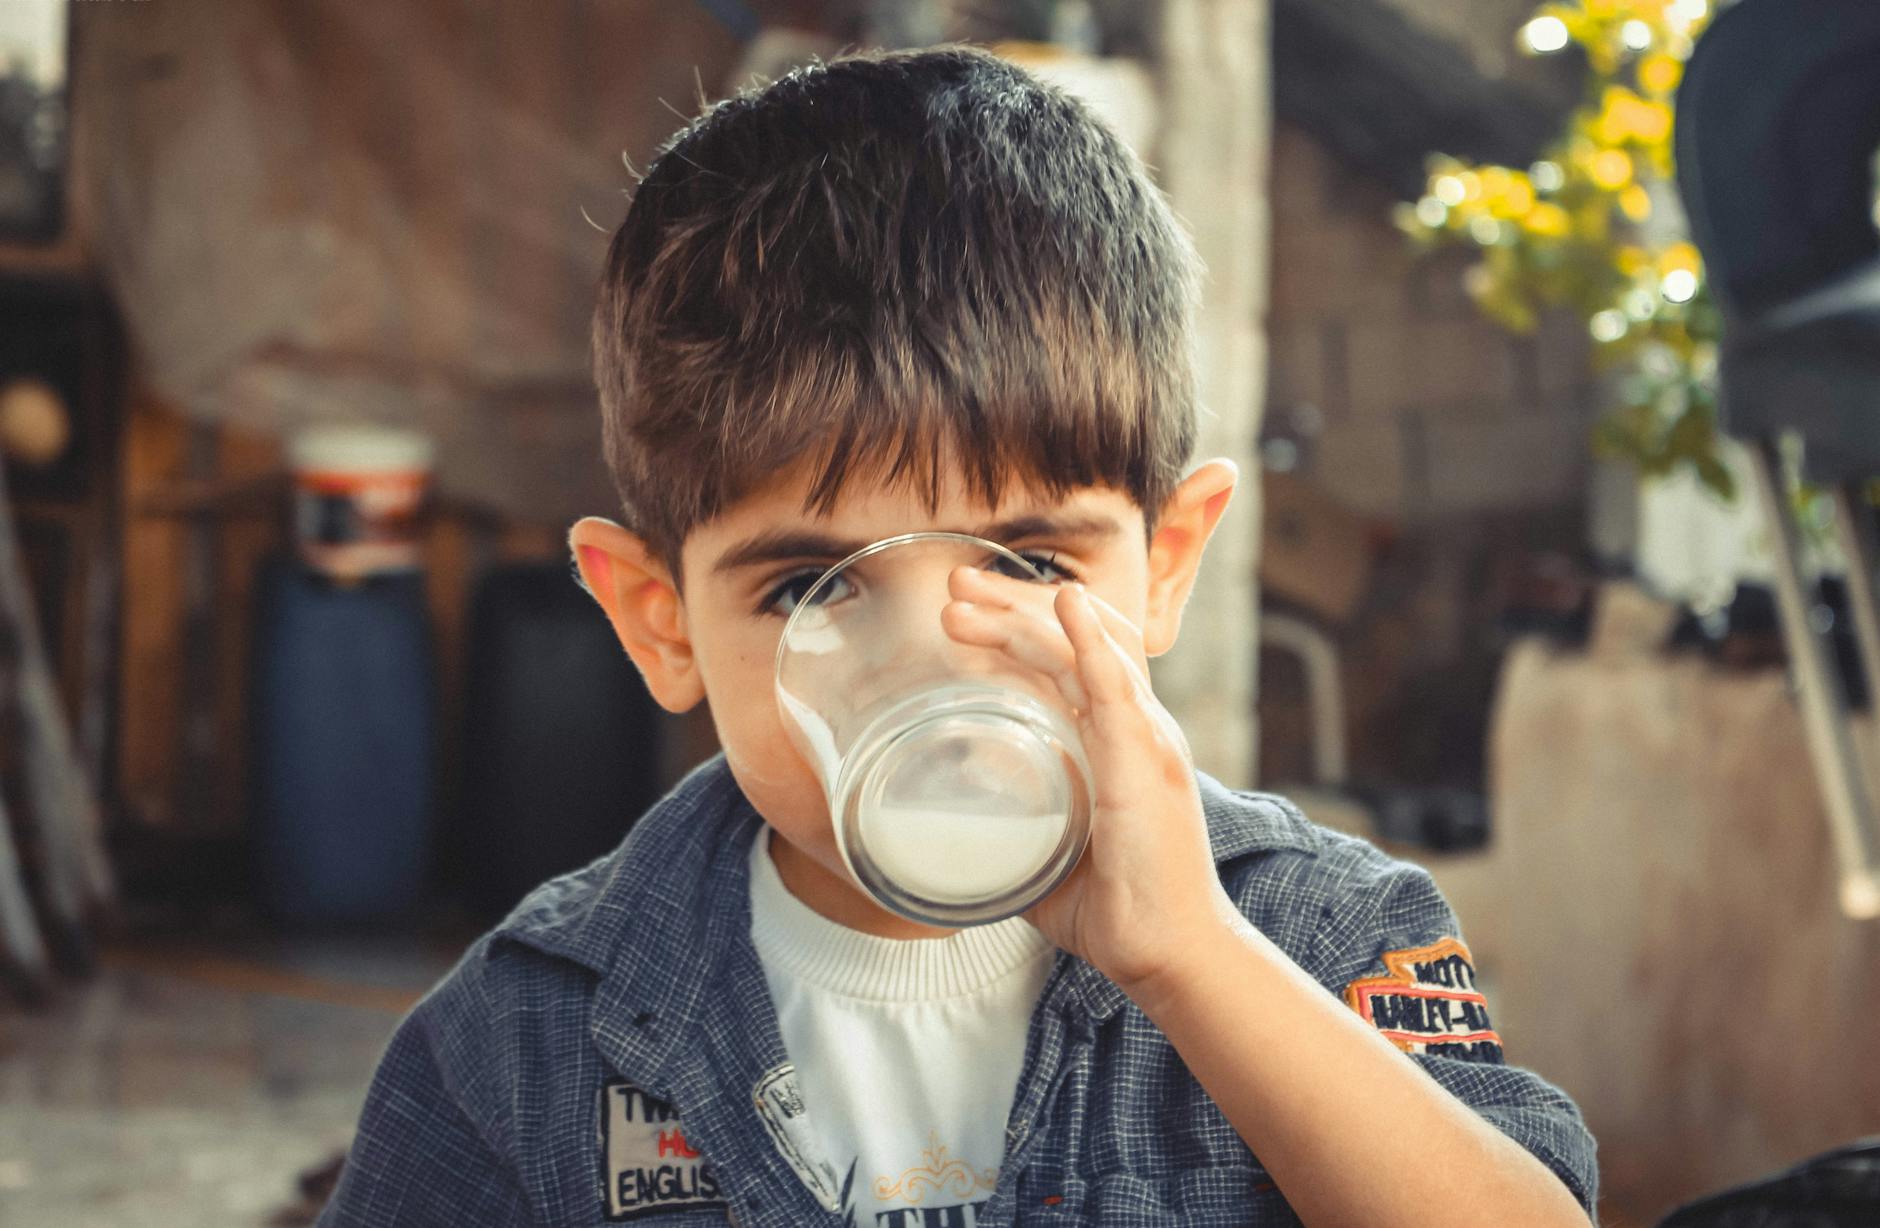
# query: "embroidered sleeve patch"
{"type": "Point", "coordinates": [1426, 1002]}
{"type": "Point", "coordinates": [648, 1165]}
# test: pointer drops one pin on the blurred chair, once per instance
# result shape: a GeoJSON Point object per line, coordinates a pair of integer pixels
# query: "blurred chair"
{"type": "Point", "coordinates": [1837, 1189]}
{"type": "Point", "coordinates": [1778, 120]}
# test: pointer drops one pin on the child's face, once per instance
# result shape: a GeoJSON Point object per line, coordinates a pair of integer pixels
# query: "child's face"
{"type": "Point", "coordinates": [720, 642]}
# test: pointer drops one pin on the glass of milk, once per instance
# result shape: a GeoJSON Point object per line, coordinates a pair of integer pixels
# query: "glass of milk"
{"type": "Point", "coordinates": [956, 780]}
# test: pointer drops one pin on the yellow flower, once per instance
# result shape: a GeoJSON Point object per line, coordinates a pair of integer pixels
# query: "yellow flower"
{"type": "Point", "coordinates": [1680, 256]}
{"type": "Point", "coordinates": [1651, 122]}
{"type": "Point", "coordinates": [1636, 203]}
{"type": "Point", "coordinates": [1517, 199]}
{"type": "Point", "coordinates": [1548, 220]}
{"type": "Point", "coordinates": [1659, 74]}
{"type": "Point", "coordinates": [1624, 116]}
{"type": "Point", "coordinates": [1630, 259]}
{"type": "Point", "coordinates": [1611, 169]}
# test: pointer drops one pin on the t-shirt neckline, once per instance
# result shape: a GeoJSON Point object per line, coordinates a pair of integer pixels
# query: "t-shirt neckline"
{"type": "Point", "coordinates": [794, 938]}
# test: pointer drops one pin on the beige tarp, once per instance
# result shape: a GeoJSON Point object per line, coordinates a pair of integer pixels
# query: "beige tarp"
{"type": "Point", "coordinates": [311, 209]}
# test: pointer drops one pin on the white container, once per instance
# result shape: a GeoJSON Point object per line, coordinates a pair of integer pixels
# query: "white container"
{"type": "Point", "coordinates": [358, 488]}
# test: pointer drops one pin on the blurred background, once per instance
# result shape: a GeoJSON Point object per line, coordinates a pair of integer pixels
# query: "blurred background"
{"type": "Point", "coordinates": [1548, 333]}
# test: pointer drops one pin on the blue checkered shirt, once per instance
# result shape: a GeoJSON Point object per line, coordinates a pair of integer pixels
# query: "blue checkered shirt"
{"type": "Point", "coordinates": [489, 1105]}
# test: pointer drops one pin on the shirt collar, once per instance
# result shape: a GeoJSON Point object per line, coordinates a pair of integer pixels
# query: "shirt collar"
{"type": "Point", "coordinates": [652, 885]}
{"type": "Point", "coordinates": [1244, 821]}
{"type": "Point", "coordinates": [655, 918]}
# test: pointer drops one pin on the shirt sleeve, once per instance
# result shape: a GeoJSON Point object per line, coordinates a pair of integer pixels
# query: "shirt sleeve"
{"type": "Point", "coordinates": [1393, 950]}
{"type": "Point", "coordinates": [418, 1160]}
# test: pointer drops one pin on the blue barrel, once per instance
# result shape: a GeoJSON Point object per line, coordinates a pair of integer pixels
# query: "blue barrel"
{"type": "Point", "coordinates": [343, 743]}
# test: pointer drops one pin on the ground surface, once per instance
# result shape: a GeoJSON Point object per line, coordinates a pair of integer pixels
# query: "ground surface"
{"type": "Point", "coordinates": [191, 1082]}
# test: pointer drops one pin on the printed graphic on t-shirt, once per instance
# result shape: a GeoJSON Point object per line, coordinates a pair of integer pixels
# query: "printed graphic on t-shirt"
{"type": "Point", "coordinates": [1427, 1003]}
{"type": "Point", "coordinates": [937, 1174]}
{"type": "Point", "coordinates": [646, 1163]}
{"type": "Point", "coordinates": [941, 1191]}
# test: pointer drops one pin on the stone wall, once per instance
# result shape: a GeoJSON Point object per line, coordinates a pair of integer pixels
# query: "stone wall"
{"type": "Point", "coordinates": [1656, 922]}
{"type": "Point", "coordinates": [1428, 409]}
{"type": "Point", "coordinates": [1465, 445]}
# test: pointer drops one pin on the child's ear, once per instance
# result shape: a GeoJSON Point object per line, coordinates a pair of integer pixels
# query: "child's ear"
{"type": "Point", "coordinates": [638, 595]}
{"type": "Point", "coordinates": [1187, 521]}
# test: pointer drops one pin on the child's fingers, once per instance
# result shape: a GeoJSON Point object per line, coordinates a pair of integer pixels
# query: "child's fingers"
{"type": "Point", "coordinates": [1100, 659]}
{"type": "Point", "coordinates": [1118, 624]}
{"type": "Point", "coordinates": [1121, 696]}
{"type": "Point", "coordinates": [1120, 728]}
{"type": "Point", "coordinates": [1124, 636]}
{"type": "Point", "coordinates": [991, 588]}
{"type": "Point", "coordinates": [1026, 637]}
{"type": "Point", "coordinates": [1016, 597]}
{"type": "Point", "coordinates": [998, 611]}
{"type": "Point", "coordinates": [988, 588]}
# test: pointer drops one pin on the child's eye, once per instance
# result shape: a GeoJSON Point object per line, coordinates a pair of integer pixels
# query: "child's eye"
{"type": "Point", "coordinates": [790, 591]}
{"type": "Point", "coordinates": [1046, 563]}
{"type": "Point", "coordinates": [794, 587]}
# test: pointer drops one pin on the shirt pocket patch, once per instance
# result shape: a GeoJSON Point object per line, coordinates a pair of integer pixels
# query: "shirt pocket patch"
{"type": "Point", "coordinates": [647, 1167]}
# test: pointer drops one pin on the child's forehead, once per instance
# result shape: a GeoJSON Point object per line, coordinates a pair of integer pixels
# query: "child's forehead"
{"type": "Point", "coordinates": [772, 524]}
{"type": "Point", "coordinates": [946, 502]}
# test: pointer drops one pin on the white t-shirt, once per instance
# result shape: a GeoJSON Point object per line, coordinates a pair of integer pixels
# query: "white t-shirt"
{"type": "Point", "coordinates": [907, 1050]}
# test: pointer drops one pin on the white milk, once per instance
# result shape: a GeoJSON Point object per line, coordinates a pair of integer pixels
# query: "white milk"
{"type": "Point", "coordinates": [956, 858]}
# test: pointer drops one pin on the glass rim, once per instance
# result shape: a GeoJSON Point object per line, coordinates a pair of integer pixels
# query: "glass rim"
{"type": "Point", "coordinates": [876, 547]}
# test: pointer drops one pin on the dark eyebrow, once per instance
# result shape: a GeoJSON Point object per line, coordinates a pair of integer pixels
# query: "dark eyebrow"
{"type": "Point", "coordinates": [778, 545]}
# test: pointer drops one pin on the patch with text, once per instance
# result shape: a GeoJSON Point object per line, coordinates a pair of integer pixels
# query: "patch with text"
{"type": "Point", "coordinates": [1426, 1002]}
{"type": "Point", "coordinates": [647, 1164]}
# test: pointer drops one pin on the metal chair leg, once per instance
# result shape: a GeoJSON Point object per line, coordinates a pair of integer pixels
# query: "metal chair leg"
{"type": "Point", "coordinates": [1853, 533]}
{"type": "Point", "coordinates": [1844, 788]}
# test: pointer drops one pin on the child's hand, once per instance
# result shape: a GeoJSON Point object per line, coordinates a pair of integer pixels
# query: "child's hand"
{"type": "Point", "coordinates": [1146, 891]}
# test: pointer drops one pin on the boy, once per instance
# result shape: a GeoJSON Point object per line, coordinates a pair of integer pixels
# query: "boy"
{"type": "Point", "coordinates": [922, 291]}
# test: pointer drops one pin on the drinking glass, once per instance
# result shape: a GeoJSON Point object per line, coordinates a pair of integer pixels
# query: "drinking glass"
{"type": "Point", "coordinates": [956, 780]}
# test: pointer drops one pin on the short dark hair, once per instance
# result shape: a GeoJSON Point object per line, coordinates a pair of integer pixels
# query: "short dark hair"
{"type": "Point", "coordinates": [876, 259]}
